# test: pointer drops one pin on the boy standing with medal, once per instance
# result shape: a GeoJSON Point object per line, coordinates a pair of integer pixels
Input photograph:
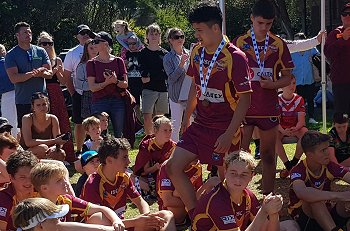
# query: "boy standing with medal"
{"type": "Point", "coordinates": [220, 93]}
{"type": "Point", "coordinates": [270, 65]}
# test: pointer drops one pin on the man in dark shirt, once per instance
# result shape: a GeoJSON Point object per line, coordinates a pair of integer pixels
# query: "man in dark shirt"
{"type": "Point", "coordinates": [337, 51]}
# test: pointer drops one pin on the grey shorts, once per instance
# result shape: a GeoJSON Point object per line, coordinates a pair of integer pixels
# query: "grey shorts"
{"type": "Point", "coordinates": [154, 101]}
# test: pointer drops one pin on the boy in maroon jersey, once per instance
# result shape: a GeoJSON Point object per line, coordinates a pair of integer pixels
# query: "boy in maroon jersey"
{"type": "Point", "coordinates": [312, 204]}
{"type": "Point", "coordinates": [18, 166]}
{"type": "Point", "coordinates": [111, 186]}
{"type": "Point", "coordinates": [270, 66]}
{"type": "Point", "coordinates": [220, 93]}
{"type": "Point", "coordinates": [49, 179]}
{"type": "Point", "coordinates": [232, 206]}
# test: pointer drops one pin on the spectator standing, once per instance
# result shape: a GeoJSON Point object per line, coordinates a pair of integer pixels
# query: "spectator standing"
{"type": "Point", "coordinates": [304, 76]}
{"type": "Point", "coordinates": [7, 94]}
{"type": "Point", "coordinates": [27, 66]}
{"type": "Point", "coordinates": [134, 75]}
{"type": "Point", "coordinates": [71, 62]}
{"type": "Point", "coordinates": [57, 104]}
{"type": "Point", "coordinates": [175, 65]}
{"type": "Point", "coordinates": [107, 80]}
{"type": "Point", "coordinates": [81, 81]}
{"type": "Point", "coordinates": [154, 93]}
{"type": "Point", "coordinates": [337, 51]}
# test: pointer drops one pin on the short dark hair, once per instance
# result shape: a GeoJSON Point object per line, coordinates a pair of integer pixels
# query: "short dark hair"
{"type": "Point", "coordinates": [7, 141]}
{"type": "Point", "coordinates": [110, 146]}
{"type": "Point", "coordinates": [19, 25]}
{"type": "Point", "coordinates": [20, 159]}
{"type": "Point", "coordinates": [340, 118]}
{"type": "Point", "coordinates": [207, 12]}
{"type": "Point", "coordinates": [311, 139]}
{"type": "Point", "coordinates": [264, 9]}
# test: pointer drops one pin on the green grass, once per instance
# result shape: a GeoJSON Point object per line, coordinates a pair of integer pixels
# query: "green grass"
{"type": "Point", "coordinates": [281, 185]}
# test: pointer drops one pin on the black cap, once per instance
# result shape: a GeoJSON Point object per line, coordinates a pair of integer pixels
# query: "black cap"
{"type": "Point", "coordinates": [105, 36]}
{"type": "Point", "coordinates": [87, 156]}
{"type": "Point", "coordinates": [4, 123]}
{"type": "Point", "coordinates": [83, 27]}
{"type": "Point", "coordinates": [346, 7]}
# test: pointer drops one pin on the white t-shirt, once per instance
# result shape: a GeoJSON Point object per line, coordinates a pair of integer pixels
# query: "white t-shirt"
{"type": "Point", "coordinates": [72, 60]}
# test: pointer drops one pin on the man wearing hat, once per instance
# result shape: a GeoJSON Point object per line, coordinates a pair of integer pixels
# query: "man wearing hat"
{"type": "Point", "coordinates": [27, 66]}
{"type": "Point", "coordinates": [337, 51]}
{"type": "Point", "coordinates": [4, 125]}
{"type": "Point", "coordinates": [70, 64]}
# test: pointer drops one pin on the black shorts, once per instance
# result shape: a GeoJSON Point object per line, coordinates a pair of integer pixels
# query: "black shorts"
{"type": "Point", "coordinates": [135, 87]}
{"type": "Point", "coordinates": [308, 224]}
{"type": "Point", "coordinates": [22, 109]}
{"type": "Point", "coordinates": [76, 103]}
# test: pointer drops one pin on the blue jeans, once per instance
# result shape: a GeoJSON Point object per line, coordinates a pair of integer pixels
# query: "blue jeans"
{"type": "Point", "coordinates": [115, 108]}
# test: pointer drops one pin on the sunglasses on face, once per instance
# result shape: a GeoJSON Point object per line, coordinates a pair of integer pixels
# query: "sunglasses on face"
{"type": "Point", "coordinates": [84, 32]}
{"type": "Point", "coordinates": [344, 14]}
{"type": "Point", "coordinates": [176, 37]}
{"type": "Point", "coordinates": [97, 41]}
{"type": "Point", "coordinates": [46, 43]}
{"type": "Point", "coordinates": [30, 57]}
{"type": "Point", "coordinates": [5, 129]}
{"type": "Point", "coordinates": [132, 43]}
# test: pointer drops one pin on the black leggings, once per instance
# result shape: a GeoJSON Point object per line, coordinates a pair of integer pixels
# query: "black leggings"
{"type": "Point", "coordinates": [308, 93]}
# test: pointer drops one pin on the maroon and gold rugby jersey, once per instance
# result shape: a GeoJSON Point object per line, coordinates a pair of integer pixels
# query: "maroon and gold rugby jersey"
{"type": "Point", "coordinates": [216, 211]}
{"type": "Point", "coordinates": [290, 110]}
{"type": "Point", "coordinates": [150, 151]}
{"type": "Point", "coordinates": [99, 190]}
{"type": "Point", "coordinates": [264, 102]}
{"type": "Point", "coordinates": [164, 182]}
{"type": "Point", "coordinates": [8, 201]}
{"type": "Point", "coordinates": [78, 208]}
{"type": "Point", "coordinates": [323, 181]}
{"type": "Point", "coordinates": [229, 76]}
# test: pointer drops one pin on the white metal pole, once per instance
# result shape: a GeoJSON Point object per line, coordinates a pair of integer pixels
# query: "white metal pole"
{"type": "Point", "coordinates": [222, 7]}
{"type": "Point", "coordinates": [323, 67]}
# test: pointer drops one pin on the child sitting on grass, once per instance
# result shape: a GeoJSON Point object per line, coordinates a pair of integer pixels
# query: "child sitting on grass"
{"type": "Point", "coordinates": [93, 129]}
{"type": "Point", "coordinates": [103, 117]}
{"type": "Point", "coordinates": [40, 214]}
{"type": "Point", "coordinates": [111, 186]}
{"type": "Point", "coordinates": [312, 203]}
{"type": "Point", "coordinates": [232, 206]}
{"type": "Point", "coordinates": [89, 161]}
{"type": "Point", "coordinates": [339, 145]}
{"type": "Point", "coordinates": [154, 150]}
{"type": "Point", "coordinates": [292, 124]}
{"type": "Point", "coordinates": [50, 182]}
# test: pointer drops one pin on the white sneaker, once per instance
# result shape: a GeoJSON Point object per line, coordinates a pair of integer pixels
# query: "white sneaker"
{"type": "Point", "coordinates": [312, 121]}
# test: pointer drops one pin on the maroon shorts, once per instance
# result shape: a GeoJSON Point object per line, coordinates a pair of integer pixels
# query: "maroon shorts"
{"type": "Point", "coordinates": [200, 141]}
{"type": "Point", "coordinates": [263, 123]}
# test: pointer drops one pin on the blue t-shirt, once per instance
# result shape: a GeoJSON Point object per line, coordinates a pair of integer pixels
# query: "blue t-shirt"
{"type": "Point", "coordinates": [303, 66]}
{"type": "Point", "coordinates": [6, 84]}
{"type": "Point", "coordinates": [26, 61]}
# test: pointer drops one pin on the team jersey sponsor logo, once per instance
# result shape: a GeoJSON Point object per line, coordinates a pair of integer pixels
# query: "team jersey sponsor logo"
{"type": "Point", "coordinates": [165, 182]}
{"type": "Point", "coordinates": [247, 78]}
{"type": "Point", "coordinates": [229, 219]}
{"type": "Point", "coordinates": [213, 95]}
{"type": "Point", "coordinates": [3, 211]}
{"type": "Point", "coordinates": [295, 175]}
{"type": "Point", "coordinates": [273, 48]}
{"type": "Point", "coordinates": [267, 73]}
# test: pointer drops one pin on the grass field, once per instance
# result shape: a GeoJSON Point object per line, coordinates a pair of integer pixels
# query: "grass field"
{"type": "Point", "coordinates": [281, 186]}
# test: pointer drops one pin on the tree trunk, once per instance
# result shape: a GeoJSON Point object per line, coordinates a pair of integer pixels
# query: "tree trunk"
{"type": "Point", "coordinates": [283, 17]}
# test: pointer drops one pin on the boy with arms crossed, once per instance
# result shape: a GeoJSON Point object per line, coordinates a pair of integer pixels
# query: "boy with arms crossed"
{"type": "Point", "coordinates": [268, 56]}
{"type": "Point", "coordinates": [111, 186]}
{"type": "Point", "coordinates": [310, 195]}
{"type": "Point", "coordinates": [232, 206]}
{"type": "Point", "coordinates": [220, 92]}
{"type": "Point", "coordinates": [50, 182]}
